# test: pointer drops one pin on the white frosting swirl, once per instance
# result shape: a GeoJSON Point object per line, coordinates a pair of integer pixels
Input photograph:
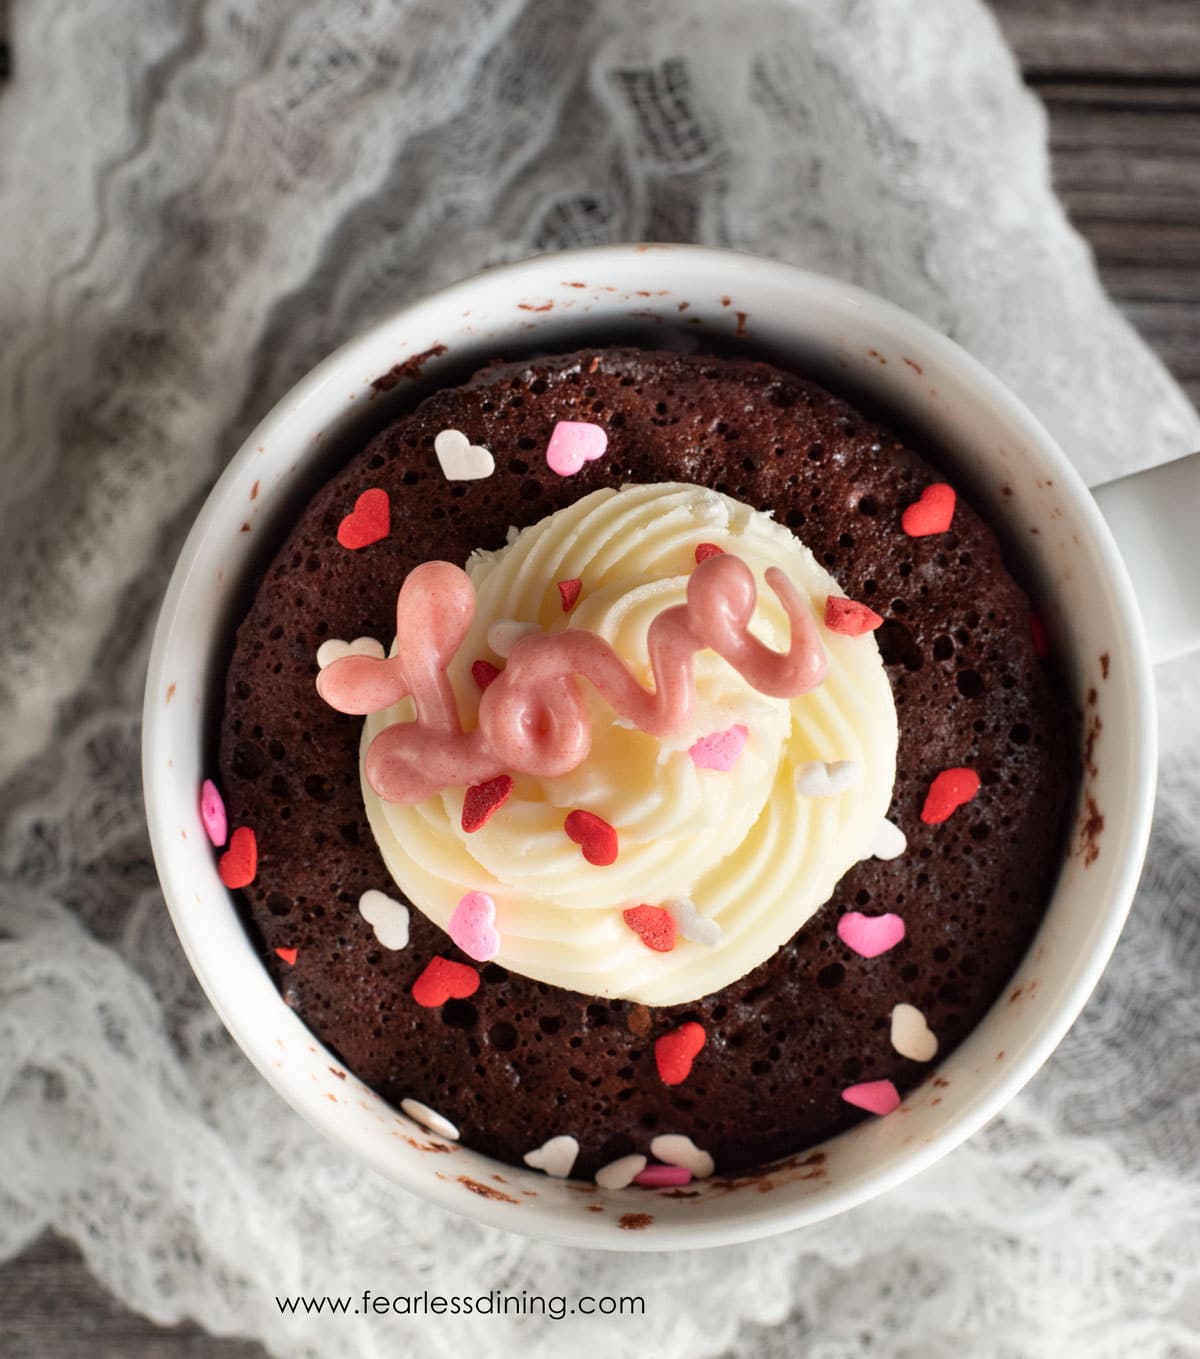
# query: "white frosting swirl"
{"type": "Point", "coordinates": [749, 851]}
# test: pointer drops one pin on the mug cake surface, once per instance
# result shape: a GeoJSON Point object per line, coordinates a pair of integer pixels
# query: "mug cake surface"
{"type": "Point", "coordinates": [898, 964]}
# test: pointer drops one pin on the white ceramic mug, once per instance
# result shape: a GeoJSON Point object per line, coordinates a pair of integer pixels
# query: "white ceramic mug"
{"type": "Point", "coordinates": [992, 446]}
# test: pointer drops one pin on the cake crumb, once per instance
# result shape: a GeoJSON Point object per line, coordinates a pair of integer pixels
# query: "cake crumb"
{"type": "Point", "coordinates": [410, 368]}
{"type": "Point", "coordinates": [485, 1191]}
{"type": "Point", "coordinates": [1090, 831]}
{"type": "Point", "coordinates": [635, 1222]}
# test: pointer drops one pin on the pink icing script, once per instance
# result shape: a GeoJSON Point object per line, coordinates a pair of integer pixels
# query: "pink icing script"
{"type": "Point", "coordinates": [532, 717]}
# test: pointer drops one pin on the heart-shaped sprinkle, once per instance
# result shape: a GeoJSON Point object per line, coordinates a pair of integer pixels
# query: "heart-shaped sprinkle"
{"type": "Point", "coordinates": [472, 927]}
{"type": "Point", "coordinates": [663, 1177]}
{"type": "Point", "coordinates": [442, 980]}
{"type": "Point", "coordinates": [1041, 638]}
{"type": "Point", "coordinates": [719, 749]}
{"type": "Point", "coordinates": [677, 1150]}
{"type": "Point", "coordinates": [505, 633]}
{"type": "Point", "coordinates": [876, 1097]}
{"type": "Point", "coordinates": [239, 863]}
{"type": "Point", "coordinates": [368, 522]}
{"type": "Point", "coordinates": [484, 800]}
{"type": "Point", "coordinates": [387, 917]}
{"type": "Point", "coordinates": [620, 1174]}
{"type": "Point", "coordinates": [706, 550]}
{"type": "Point", "coordinates": [429, 1118]}
{"type": "Point", "coordinates": [947, 793]}
{"type": "Point", "coordinates": [654, 926]}
{"type": "Point", "coordinates": [460, 459]}
{"type": "Point", "coordinates": [333, 649]}
{"type": "Point", "coordinates": [572, 443]}
{"type": "Point", "coordinates": [674, 1052]}
{"type": "Point", "coordinates": [849, 617]}
{"type": "Point", "coordinates": [594, 836]}
{"type": "Point", "coordinates": [484, 672]}
{"type": "Point", "coordinates": [693, 926]}
{"type": "Point", "coordinates": [889, 842]}
{"type": "Point", "coordinates": [820, 779]}
{"type": "Point", "coordinates": [911, 1035]}
{"type": "Point", "coordinates": [570, 590]}
{"type": "Point", "coordinates": [870, 935]}
{"type": "Point", "coordinates": [932, 513]}
{"type": "Point", "coordinates": [556, 1156]}
{"type": "Point", "coordinates": [212, 813]}
{"type": "Point", "coordinates": [288, 955]}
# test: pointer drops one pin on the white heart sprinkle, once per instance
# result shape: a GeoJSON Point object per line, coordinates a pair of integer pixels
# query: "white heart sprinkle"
{"type": "Point", "coordinates": [334, 649]}
{"type": "Point", "coordinates": [911, 1035]}
{"type": "Point", "coordinates": [620, 1174]}
{"type": "Point", "coordinates": [555, 1157]}
{"type": "Point", "coordinates": [820, 779]}
{"type": "Point", "coordinates": [692, 925]}
{"type": "Point", "coordinates": [674, 1149]}
{"type": "Point", "coordinates": [505, 633]}
{"type": "Point", "coordinates": [889, 842]}
{"type": "Point", "coordinates": [460, 459]}
{"type": "Point", "coordinates": [388, 918]}
{"type": "Point", "coordinates": [429, 1118]}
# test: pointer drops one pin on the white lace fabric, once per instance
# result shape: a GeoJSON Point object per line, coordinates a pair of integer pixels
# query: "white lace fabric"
{"type": "Point", "coordinates": [199, 201]}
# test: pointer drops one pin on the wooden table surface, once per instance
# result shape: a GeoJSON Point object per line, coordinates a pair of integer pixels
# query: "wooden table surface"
{"type": "Point", "coordinates": [1122, 84]}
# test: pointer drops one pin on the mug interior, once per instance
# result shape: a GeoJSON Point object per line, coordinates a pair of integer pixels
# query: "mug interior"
{"type": "Point", "coordinates": [893, 367]}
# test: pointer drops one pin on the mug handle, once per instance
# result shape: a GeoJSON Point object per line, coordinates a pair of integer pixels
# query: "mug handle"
{"type": "Point", "coordinates": [1154, 516]}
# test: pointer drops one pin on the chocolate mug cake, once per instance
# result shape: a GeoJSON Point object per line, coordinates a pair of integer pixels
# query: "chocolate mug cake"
{"type": "Point", "coordinates": [640, 763]}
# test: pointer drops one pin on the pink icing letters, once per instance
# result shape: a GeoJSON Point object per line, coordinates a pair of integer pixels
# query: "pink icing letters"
{"type": "Point", "coordinates": [532, 717]}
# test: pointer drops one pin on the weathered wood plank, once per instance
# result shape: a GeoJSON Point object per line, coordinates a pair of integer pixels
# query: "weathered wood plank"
{"type": "Point", "coordinates": [1127, 167]}
{"type": "Point", "coordinates": [52, 1308]}
{"type": "Point", "coordinates": [1150, 37]}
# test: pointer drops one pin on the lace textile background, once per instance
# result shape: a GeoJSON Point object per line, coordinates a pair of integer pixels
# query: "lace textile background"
{"type": "Point", "coordinates": [198, 201]}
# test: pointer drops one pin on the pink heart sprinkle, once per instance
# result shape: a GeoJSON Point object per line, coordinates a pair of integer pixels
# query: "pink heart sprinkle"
{"type": "Point", "coordinates": [573, 443]}
{"type": "Point", "coordinates": [212, 813]}
{"type": "Point", "coordinates": [472, 928]}
{"type": "Point", "coordinates": [720, 749]}
{"type": "Point", "coordinates": [657, 1177]}
{"type": "Point", "coordinates": [870, 935]}
{"type": "Point", "coordinates": [876, 1097]}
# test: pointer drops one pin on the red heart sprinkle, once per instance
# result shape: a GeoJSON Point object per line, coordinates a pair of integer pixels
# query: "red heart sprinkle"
{"type": "Point", "coordinates": [849, 617]}
{"type": "Point", "coordinates": [570, 591]}
{"type": "Point", "coordinates": [947, 793]}
{"type": "Point", "coordinates": [288, 955]}
{"type": "Point", "coordinates": [1041, 638]}
{"type": "Point", "coordinates": [484, 672]}
{"type": "Point", "coordinates": [594, 836]}
{"type": "Point", "coordinates": [653, 925]}
{"type": "Point", "coordinates": [675, 1051]}
{"type": "Point", "coordinates": [706, 550]}
{"type": "Point", "coordinates": [484, 800]}
{"type": "Point", "coordinates": [239, 863]}
{"type": "Point", "coordinates": [442, 979]}
{"type": "Point", "coordinates": [931, 514]}
{"type": "Point", "coordinates": [368, 522]}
